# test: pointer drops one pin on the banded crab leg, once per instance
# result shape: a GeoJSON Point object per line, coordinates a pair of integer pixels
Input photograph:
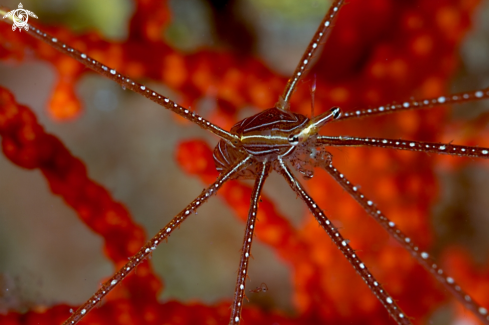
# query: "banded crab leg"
{"type": "Point", "coordinates": [127, 83]}
{"type": "Point", "coordinates": [239, 291]}
{"type": "Point", "coordinates": [311, 50]}
{"type": "Point", "coordinates": [151, 245]}
{"type": "Point", "coordinates": [422, 257]}
{"type": "Point", "coordinates": [429, 147]}
{"type": "Point", "coordinates": [387, 301]}
{"type": "Point", "coordinates": [418, 104]}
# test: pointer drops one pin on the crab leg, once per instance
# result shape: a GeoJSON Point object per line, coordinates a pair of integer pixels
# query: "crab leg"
{"type": "Point", "coordinates": [429, 147]}
{"type": "Point", "coordinates": [151, 245]}
{"type": "Point", "coordinates": [418, 104]}
{"type": "Point", "coordinates": [239, 291]}
{"type": "Point", "coordinates": [389, 303]}
{"type": "Point", "coordinates": [317, 40]}
{"type": "Point", "coordinates": [421, 256]}
{"type": "Point", "coordinates": [128, 83]}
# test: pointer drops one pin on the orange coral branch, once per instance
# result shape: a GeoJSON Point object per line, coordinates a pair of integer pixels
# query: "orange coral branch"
{"type": "Point", "coordinates": [26, 144]}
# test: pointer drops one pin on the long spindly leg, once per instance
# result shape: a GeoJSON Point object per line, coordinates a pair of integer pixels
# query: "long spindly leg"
{"type": "Point", "coordinates": [239, 291]}
{"type": "Point", "coordinates": [418, 104]}
{"type": "Point", "coordinates": [127, 83]}
{"type": "Point", "coordinates": [422, 257]}
{"type": "Point", "coordinates": [392, 308]}
{"type": "Point", "coordinates": [319, 37]}
{"type": "Point", "coordinates": [430, 147]}
{"type": "Point", "coordinates": [151, 245]}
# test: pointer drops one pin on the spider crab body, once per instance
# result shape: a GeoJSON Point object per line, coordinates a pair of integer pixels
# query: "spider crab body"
{"type": "Point", "coordinates": [265, 136]}
{"type": "Point", "coordinates": [272, 134]}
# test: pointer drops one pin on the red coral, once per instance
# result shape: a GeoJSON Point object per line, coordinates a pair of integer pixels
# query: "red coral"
{"type": "Point", "coordinates": [379, 51]}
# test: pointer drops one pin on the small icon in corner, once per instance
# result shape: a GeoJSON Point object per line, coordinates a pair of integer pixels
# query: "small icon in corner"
{"type": "Point", "coordinates": [20, 17]}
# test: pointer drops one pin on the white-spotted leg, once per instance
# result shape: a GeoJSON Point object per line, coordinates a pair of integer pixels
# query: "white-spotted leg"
{"type": "Point", "coordinates": [417, 104]}
{"type": "Point", "coordinates": [317, 40]}
{"type": "Point", "coordinates": [239, 291]}
{"type": "Point", "coordinates": [429, 147]}
{"type": "Point", "coordinates": [422, 256]}
{"type": "Point", "coordinates": [392, 308]}
{"type": "Point", "coordinates": [128, 83]}
{"type": "Point", "coordinates": [151, 245]}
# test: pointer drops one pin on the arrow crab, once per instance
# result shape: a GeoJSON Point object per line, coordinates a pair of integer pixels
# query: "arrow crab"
{"type": "Point", "coordinates": [361, 79]}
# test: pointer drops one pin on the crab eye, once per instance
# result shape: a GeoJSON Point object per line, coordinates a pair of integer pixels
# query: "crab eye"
{"type": "Point", "coordinates": [336, 112]}
{"type": "Point", "coordinates": [294, 139]}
